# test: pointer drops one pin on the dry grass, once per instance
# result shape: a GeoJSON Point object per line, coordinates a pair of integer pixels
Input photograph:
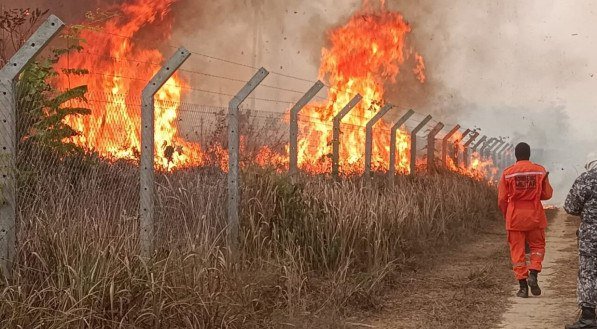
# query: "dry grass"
{"type": "Point", "coordinates": [308, 249]}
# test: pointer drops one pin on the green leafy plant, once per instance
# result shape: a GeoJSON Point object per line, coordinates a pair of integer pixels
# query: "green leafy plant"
{"type": "Point", "coordinates": [41, 107]}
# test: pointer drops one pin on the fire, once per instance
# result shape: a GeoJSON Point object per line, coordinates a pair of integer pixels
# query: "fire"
{"type": "Point", "coordinates": [479, 167]}
{"type": "Point", "coordinates": [455, 153]}
{"type": "Point", "coordinates": [419, 70]}
{"type": "Point", "coordinates": [268, 158]}
{"type": "Point", "coordinates": [364, 55]}
{"type": "Point", "coordinates": [113, 128]}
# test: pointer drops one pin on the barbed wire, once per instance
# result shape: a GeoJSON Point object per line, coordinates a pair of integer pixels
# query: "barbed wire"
{"type": "Point", "coordinates": [212, 57]}
{"type": "Point", "coordinates": [241, 81]}
{"type": "Point", "coordinates": [201, 54]}
{"type": "Point", "coordinates": [120, 59]}
{"type": "Point", "coordinates": [99, 97]}
{"type": "Point", "coordinates": [191, 88]}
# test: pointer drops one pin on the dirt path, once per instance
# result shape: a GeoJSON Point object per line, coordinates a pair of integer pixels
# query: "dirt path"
{"type": "Point", "coordinates": [557, 305]}
{"type": "Point", "coordinates": [458, 288]}
{"type": "Point", "coordinates": [472, 285]}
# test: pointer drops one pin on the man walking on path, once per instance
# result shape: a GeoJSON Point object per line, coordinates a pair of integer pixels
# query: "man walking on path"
{"type": "Point", "coordinates": [521, 189]}
{"type": "Point", "coordinates": [582, 201]}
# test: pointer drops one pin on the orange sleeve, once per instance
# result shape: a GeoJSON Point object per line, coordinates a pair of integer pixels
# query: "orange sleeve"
{"type": "Point", "coordinates": [503, 195]}
{"type": "Point", "coordinates": [546, 190]}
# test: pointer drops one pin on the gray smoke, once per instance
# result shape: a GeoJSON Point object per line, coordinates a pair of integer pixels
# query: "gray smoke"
{"type": "Point", "coordinates": [518, 68]}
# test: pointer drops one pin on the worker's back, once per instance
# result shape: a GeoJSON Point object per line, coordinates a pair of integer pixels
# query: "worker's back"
{"type": "Point", "coordinates": [582, 200]}
{"type": "Point", "coordinates": [521, 190]}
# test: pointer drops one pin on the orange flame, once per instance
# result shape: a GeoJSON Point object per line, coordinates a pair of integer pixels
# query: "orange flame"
{"type": "Point", "coordinates": [479, 167]}
{"type": "Point", "coordinates": [364, 55]}
{"type": "Point", "coordinates": [112, 129]}
{"type": "Point", "coordinates": [419, 70]}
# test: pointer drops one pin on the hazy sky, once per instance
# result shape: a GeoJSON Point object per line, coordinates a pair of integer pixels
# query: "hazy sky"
{"type": "Point", "coordinates": [529, 54]}
{"type": "Point", "coordinates": [492, 55]}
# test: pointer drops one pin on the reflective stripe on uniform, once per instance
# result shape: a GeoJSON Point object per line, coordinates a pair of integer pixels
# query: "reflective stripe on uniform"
{"type": "Point", "coordinates": [525, 173]}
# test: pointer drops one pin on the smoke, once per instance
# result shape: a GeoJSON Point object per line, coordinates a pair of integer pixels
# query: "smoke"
{"type": "Point", "coordinates": [286, 37]}
{"type": "Point", "coordinates": [522, 69]}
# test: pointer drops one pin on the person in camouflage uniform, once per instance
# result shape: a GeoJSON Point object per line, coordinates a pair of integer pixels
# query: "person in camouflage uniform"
{"type": "Point", "coordinates": [582, 201]}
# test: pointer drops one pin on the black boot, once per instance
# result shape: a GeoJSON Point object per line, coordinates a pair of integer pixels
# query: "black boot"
{"type": "Point", "coordinates": [586, 321]}
{"type": "Point", "coordinates": [524, 289]}
{"type": "Point", "coordinates": [534, 283]}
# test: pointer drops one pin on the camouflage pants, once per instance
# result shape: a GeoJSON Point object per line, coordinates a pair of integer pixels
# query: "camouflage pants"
{"type": "Point", "coordinates": [587, 273]}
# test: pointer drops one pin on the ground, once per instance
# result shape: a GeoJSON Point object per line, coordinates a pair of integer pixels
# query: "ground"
{"type": "Point", "coordinates": [557, 305]}
{"type": "Point", "coordinates": [472, 286]}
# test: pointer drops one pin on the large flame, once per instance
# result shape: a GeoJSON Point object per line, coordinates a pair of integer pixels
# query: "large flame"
{"type": "Point", "coordinates": [364, 55]}
{"type": "Point", "coordinates": [113, 128]}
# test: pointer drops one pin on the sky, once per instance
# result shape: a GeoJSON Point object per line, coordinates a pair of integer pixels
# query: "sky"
{"type": "Point", "coordinates": [524, 69]}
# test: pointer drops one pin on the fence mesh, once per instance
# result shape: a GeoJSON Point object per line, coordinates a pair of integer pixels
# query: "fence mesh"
{"type": "Point", "coordinates": [78, 141]}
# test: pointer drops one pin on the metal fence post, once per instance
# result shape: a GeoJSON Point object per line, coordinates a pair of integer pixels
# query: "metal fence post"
{"type": "Point", "coordinates": [489, 150]}
{"type": "Point", "coordinates": [512, 154]}
{"type": "Point", "coordinates": [501, 157]}
{"type": "Point", "coordinates": [336, 134]}
{"type": "Point", "coordinates": [147, 174]}
{"type": "Point", "coordinates": [413, 144]}
{"type": "Point", "coordinates": [233, 155]}
{"type": "Point", "coordinates": [466, 148]}
{"type": "Point", "coordinates": [445, 144]}
{"type": "Point", "coordinates": [493, 153]}
{"type": "Point", "coordinates": [8, 142]}
{"type": "Point", "coordinates": [494, 148]}
{"type": "Point", "coordinates": [431, 145]}
{"type": "Point", "coordinates": [478, 143]}
{"type": "Point", "coordinates": [393, 132]}
{"type": "Point", "coordinates": [488, 143]}
{"type": "Point", "coordinates": [496, 144]}
{"type": "Point", "coordinates": [460, 142]}
{"type": "Point", "coordinates": [464, 134]}
{"type": "Point", "coordinates": [476, 147]}
{"type": "Point", "coordinates": [294, 112]}
{"type": "Point", "coordinates": [505, 156]}
{"type": "Point", "coordinates": [369, 137]}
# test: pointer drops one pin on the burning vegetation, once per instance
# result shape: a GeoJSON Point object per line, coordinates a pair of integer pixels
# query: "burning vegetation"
{"type": "Point", "coordinates": [113, 128]}
{"type": "Point", "coordinates": [307, 249]}
{"type": "Point", "coordinates": [364, 56]}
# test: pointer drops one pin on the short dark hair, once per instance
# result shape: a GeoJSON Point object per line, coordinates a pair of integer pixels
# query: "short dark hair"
{"type": "Point", "coordinates": [522, 152]}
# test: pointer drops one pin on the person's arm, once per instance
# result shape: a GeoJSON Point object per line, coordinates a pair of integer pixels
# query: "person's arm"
{"type": "Point", "coordinates": [547, 189]}
{"type": "Point", "coordinates": [578, 196]}
{"type": "Point", "coordinates": [503, 195]}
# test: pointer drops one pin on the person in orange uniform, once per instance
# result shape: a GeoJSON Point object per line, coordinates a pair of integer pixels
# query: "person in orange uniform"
{"type": "Point", "coordinates": [521, 189]}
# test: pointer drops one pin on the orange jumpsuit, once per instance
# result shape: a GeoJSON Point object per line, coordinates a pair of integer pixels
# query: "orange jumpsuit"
{"type": "Point", "coordinates": [521, 189]}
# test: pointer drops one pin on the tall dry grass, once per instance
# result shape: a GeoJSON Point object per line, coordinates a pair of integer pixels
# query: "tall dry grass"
{"type": "Point", "coordinates": [307, 248]}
